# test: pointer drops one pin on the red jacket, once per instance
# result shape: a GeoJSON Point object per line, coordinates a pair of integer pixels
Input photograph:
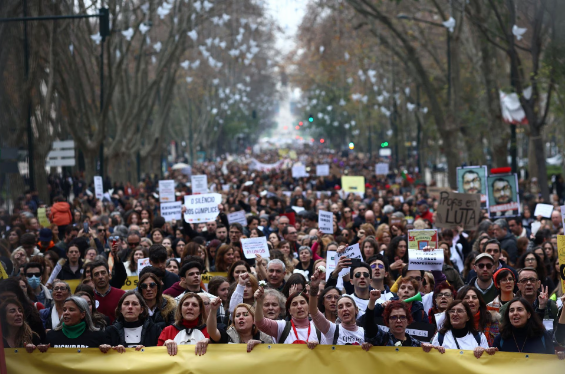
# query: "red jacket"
{"type": "Point", "coordinates": [61, 214]}
{"type": "Point", "coordinates": [171, 331]}
{"type": "Point", "coordinates": [428, 215]}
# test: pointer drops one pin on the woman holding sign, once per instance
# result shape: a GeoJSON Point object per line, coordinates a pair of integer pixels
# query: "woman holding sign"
{"type": "Point", "coordinates": [346, 333]}
{"type": "Point", "coordinates": [397, 255]}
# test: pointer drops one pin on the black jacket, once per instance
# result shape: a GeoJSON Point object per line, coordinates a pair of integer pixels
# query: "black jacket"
{"type": "Point", "coordinates": [149, 334]}
{"type": "Point", "coordinates": [67, 273]}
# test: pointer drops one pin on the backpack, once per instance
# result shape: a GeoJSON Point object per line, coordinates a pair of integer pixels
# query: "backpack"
{"type": "Point", "coordinates": [441, 336]}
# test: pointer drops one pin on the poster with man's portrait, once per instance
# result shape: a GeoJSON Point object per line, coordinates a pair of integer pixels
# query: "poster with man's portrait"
{"type": "Point", "coordinates": [503, 196]}
{"type": "Point", "coordinates": [473, 179]}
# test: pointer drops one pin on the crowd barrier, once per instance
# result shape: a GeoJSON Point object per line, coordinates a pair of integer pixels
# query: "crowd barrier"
{"type": "Point", "coordinates": [277, 359]}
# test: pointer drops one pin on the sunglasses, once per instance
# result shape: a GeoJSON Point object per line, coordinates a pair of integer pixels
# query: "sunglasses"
{"type": "Point", "coordinates": [482, 266]}
{"type": "Point", "coordinates": [145, 286]}
{"type": "Point", "coordinates": [101, 231]}
{"type": "Point", "coordinates": [29, 275]}
{"type": "Point", "coordinates": [145, 222]}
{"type": "Point", "coordinates": [365, 274]}
{"type": "Point", "coordinates": [380, 266]}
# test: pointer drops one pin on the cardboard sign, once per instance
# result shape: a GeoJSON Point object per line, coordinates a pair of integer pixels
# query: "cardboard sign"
{"type": "Point", "coordinates": [237, 217]}
{"type": "Point", "coordinates": [543, 210]}
{"type": "Point", "coordinates": [352, 251]}
{"type": "Point", "coordinates": [561, 254]}
{"type": "Point", "coordinates": [199, 184]}
{"type": "Point", "coordinates": [171, 211]}
{"type": "Point", "coordinates": [255, 246]}
{"type": "Point", "coordinates": [503, 198]}
{"type": "Point", "coordinates": [325, 222]}
{"type": "Point", "coordinates": [435, 191]}
{"type": "Point", "coordinates": [166, 191]}
{"type": "Point", "coordinates": [458, 209]}
{"type": "Point", "coordinates": [417, 258]}
{"type": "Point", "coordinates": [323, 170]}
{"type": "Point", "coordinates": [98, 187]}
{"type": "Point", "coordinates": [42, 217]}
{"type": "Point", "coordinates": [299, 172]}
{"type": "Point", "coordinates": [202, 208]}
{"type": "Point", "coordinates": [353, 184]}
{"type": "Point", "coordinates": [381, 169]}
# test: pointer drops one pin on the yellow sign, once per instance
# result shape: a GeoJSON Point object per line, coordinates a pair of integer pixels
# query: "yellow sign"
{"type": "Point", "coordinates": [275, 359]}
{"type": "Point", "coordinates": [292, 154]}
{"type": "Point", "coordinates": [283, 152]}
{"type": "Point", "coordinates": [353, 184]}
{"type": "Point", "coordinates": [561, 252]}
{"type": "Point", "coordinates": [206, 277]}
{"type": "Point", "coordinates": [42, 216]}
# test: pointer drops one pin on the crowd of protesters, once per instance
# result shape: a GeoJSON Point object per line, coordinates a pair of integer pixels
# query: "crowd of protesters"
{"type": "Point", "coordinates": [500, 288]}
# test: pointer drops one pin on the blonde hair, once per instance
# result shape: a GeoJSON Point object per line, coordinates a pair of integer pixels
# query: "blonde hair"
{"type": "Point", "coordinates": [250, 309]}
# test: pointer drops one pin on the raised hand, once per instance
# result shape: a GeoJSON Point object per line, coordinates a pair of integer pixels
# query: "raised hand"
{"type": "Point", "coordinates": [215, 304]}
{"type": "Point", "coordinates": [259, 294]}
{"type": "Point", "coordinates": [543, 297]}
{"type": "Point", "coordinates": [374, 295]}
{"type": "Point", "coordinates": [243, 278]}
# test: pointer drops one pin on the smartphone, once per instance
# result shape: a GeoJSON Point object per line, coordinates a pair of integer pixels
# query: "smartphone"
{"type": "Point", "coordinates": [85, 228]}
{"type": "Point", "coordinates": [355, 263]}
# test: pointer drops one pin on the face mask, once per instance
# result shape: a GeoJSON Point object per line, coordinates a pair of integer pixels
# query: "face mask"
{"type": "Point", "coordinates": [33, 282]}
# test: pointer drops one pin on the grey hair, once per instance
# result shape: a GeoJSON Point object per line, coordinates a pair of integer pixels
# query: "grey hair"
{"type": "Point", "coordinates": [83, 307]}
{"type": "Point", "coordinates": [388, 209]}
{"type": "Point", "coordinates": [63, 282]}
{"type": "Point", "coordinates": [276, 261]}
{"type": "Point", "coordinates": [302, 248]}
{"type": "Point", "coordinates": [280, 298]}
{"type": "Point", "coordinates": [502, 223]}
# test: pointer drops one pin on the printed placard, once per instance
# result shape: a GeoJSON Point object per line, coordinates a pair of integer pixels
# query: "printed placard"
{"type": "Point", "coordinates": [561, 254]}
{"type": "Point", "coordinates": [98, 187]}
{"type": "Point", "coordinates": [166, 191]}
{"type": "Point", "coordinates": [473, 180]}
{"type": "Point", "coordinates": [255, 246]}
{"type": "Point", "coordinates": [299, 172]}
{"type": "Point", "coordinates": [237, 217]}
{"type": "Point", "coordinates": [142, 263]}
{"type": "Point", "coordinates": [202, 208]}
{"type": "Point", "coordinates": [352, 251]}
{"type": "Point", "coordinates": [323, 170]}
{"type": "Point", "coordinates": [171, 211]}
{"type": "Point", "coordinates": [353, 184]}
{"type": "Point", "coordinates": [381, 168]}
{"type": "Point", "coordinates": [42, 217]}
{"type": "Point", "coordinates": [325, 222]}
{"type": "Point", "coordinates": [503, 197]}
{"type": "Point", "coordinates": [417, 258]}
{"type": "Point", "coordinates": [199, 184]}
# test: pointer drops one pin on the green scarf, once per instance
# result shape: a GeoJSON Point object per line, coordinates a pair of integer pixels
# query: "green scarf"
{"type": "Point", "coordinates": [73, 332]}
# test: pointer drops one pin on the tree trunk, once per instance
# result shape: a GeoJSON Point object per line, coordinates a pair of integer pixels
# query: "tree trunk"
{"type": "Point", "coordinates": [536, 145]}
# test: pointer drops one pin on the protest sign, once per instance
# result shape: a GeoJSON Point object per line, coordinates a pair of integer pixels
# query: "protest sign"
{"type": "Point", "coordinates": [543, 210]}
{"type": "Point", "coordinates": [323, 170]}
{"type": "Point", "coordinates": [435, 191]}
{"type": "Point", "coordinates": [202, 208]}
{"type": "Point", "coordinates": [171, 211]}
{"type": "Point", "coordinates": [458, 209]}
{"type": "Point", "coordinates": [417, 258]}
{"type": "Point", "coordinates": [199, 184]}
{"type": "Point", "coordinates": [166, 191]}
{"type": "Point", "coordinates": [503, 198]}
{"type": "Point", "coordinates": [563, 215]}
{"type": "Point", "coordinates": [473, 180]}
{"type": "Point", "coordinates": [225, 187]}
{"type": "Point", "coordinates": [381, 168]}
{"type": "Point", "coordinates": [330, 267]}
{"type": "Point", "coordinates": [142, 263]}
{"type": "Point", "coordinates": [207, 277]}
{"type": "Point", "coordinates": [561, 254]}
{"type": "Point", "coordinates": [237, 217]}
{"type": "Point", "coordinates": [298, 209]}
{"type": "Point", "coordinates": [42, 216]}
{"type": "Point", "coordinates": [299, 172]}
{"type": "Point", "coordinates": [98, 187]}
{"type": "Point", "coordinates": [353, 184]}
{"type": "Point", "coordinates": [352, 251]}
{"type": "Point", "coordinates": [325, 222]}
{"type": "Point", "coordinates": [255, 246]}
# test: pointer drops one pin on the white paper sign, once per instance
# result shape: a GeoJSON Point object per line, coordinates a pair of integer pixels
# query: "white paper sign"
{"type": "Point", "coordinates": [330, 267]}
{"type": "Point", "coordinates": [199, 184]}
{"type": "Point", "coordinates": [325, 222]}
{"type": "Point", "coordinates": [297, 209]}
{"type": "Point", "coordinates": [299, 172]}
{"type": "Point", "coordinates": [563, 215]}
{"type": "Point", "coordinates": [237, 217]}
{"type": "Point", "coordinates": [98, 187]}
{"type": "Point", "coordinates": [535, 226]}
{"type": "Point", "coordinates": [142, 263]}
{"type": "Point", "coordinates": [171, 211]}
{"type": "Point", "coordinates": [440, 319]}
{"type": "Point", "coordinates": [352, 251]}
{"type": "Point", "coordinates": [202, 208]}
{"type": "Point", "coordinates": [323, 170]}
{"type": "Point", "coordinates": [167, 191]}
{"type": "Point", "coordinates": [420, 260]}
{"type": "Point", "coordinates": [381, 169]}
{"type": "Point", "coordinates": [543, 210]}
{"type": "Point", "coordinates": [225, 187]}
{"type": "Point", "coordinates": [255, 246]}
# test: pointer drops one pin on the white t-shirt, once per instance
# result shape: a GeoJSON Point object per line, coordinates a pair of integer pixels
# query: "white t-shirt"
{"type": "Point", "coordinates": [361, 304]}
{"type": "Point", "coordinates": [55, 319]}
{"type": "Point", "coordinates": [302, 333]}
{"type": "Point", "coordinates": [345, 336]}
{"type": "Point", "coordinates": [467, 342]}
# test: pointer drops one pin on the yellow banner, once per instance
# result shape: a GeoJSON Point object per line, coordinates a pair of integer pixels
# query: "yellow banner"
{"type": "Point", "coordinates": [42, 216]}
{"type": "Point", "coordinates": [276, 359]}
{"type": "Point", "coordinates": [561, 252]}
{"type": "Point", "coordinates": [353, 184]}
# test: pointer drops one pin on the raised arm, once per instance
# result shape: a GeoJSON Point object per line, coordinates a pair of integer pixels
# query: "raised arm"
{"type": "Point", "coordinates": [237, 295]}
{"type": "Point", "coordinates": [212, 323]}
{"type": "Point", "coordinates": [320, 321]}
{"type": "Point", "coordinates": [266, 325]}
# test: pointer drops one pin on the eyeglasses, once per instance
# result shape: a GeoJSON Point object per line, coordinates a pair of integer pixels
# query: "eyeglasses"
{"type": "Point", "coordinates": [483, 265]}
{"type": "Point", "coordinates": [145, 222]}
{"type": "Point", "coordinates": [331, 297]}
{"type": "Point", "coordinates": [133, 244]}
{"type": "Point", "coordinates": [444, 294]}
{"type": "Point", "coordinates": [457, 311]}
{"type": "Point", "coordinates": [380, 266]}
{"type": "Point", "coordinates": [507, 280]}
{"type": "Point", "coordinates": [418, 278]}
{"type": "Point", "coordinates": [530, 259]}
{"type": "Point", "coordinates": [145, 286]}
{"type": "Point", "coordinates": [528, 280]}
{"type": "Point", "coordinates": [59, 289]}
{"type": "Point", "coordinates": [364, 274]}
{"type": "Point", "coordinates": [398, 318]}
{"type": "Point", "coordinates": [29, 275]}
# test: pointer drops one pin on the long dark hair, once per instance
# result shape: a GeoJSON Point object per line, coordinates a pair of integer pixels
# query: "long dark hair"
{"type": "Point", "coordinates": [30, 311]}
{"type": "Point", "coordinates": [321, 297]}
{"type": "Point", "coordinates": [98, 318]}
{"type": "Point", "coordinates": [469, 325]}
{"type": "Point", "coordinates": [235, 264]}
{"type": "Point", "coordinates": [393, 246]}
{"type": "Point", "coordinates": [534, 326]}
{"type": "Point", "coordinates": [159, 298]}
{"type": "Point", "coordinates": [540, 265]}
{"type": "Point", "coordinates": [486, 317]}
{"type": "Point", "coordinates": [291, 281]}
{"type": "Point", "coordinates": [144, 314]}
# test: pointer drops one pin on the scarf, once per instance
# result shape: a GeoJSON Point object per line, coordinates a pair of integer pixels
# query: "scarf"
{"type": "Point", "coordinates": [134, 324]}
{"type": "Point", "coordinates": [73, 332]}
{"type": "Point", "coordinates": [459, 333]}
{"type": "Point", "coordinates": [477, 320]}
{"type": "Point", "coordinates": [190, 324]}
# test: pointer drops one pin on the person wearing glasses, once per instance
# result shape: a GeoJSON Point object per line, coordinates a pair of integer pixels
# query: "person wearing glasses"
{"type": "Point", "coordinates": [407, 288]}
{"type": "Point", "coordinates": [346, 217]}
{"type": "Point", "coordinates": [146, 225]}
{"type": "Point", "coordinates": [529, 289]}
{"type": "Point", "coordinates": [160, 308]}
{"type": "Point", "coordinates": [505, 282]}
{"type": "Point", "coordinates": [360, 278]}
{"type": "Point", "coordinates": [493, 248]}
{"type": "Point", "coordinates": [458, 332]}
{"type": "Point", "coordinates": [52, 315]}
{"type": "Point", "coordinates": [532, 260]}
{"type": "Point", "coordinates": [484, 267]}
{"type": "Point", "coordinates": [444, 294]}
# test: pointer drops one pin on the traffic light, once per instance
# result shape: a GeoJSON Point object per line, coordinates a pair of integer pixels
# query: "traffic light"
{"type": "Point", "coordinates": [322, 140]}
{"type": "Point", "coordinates": [310, 118]}
{"type": "Point", "coordinates": [351, 145]}
{"type": "Point", "coordinates": [385, 144]}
